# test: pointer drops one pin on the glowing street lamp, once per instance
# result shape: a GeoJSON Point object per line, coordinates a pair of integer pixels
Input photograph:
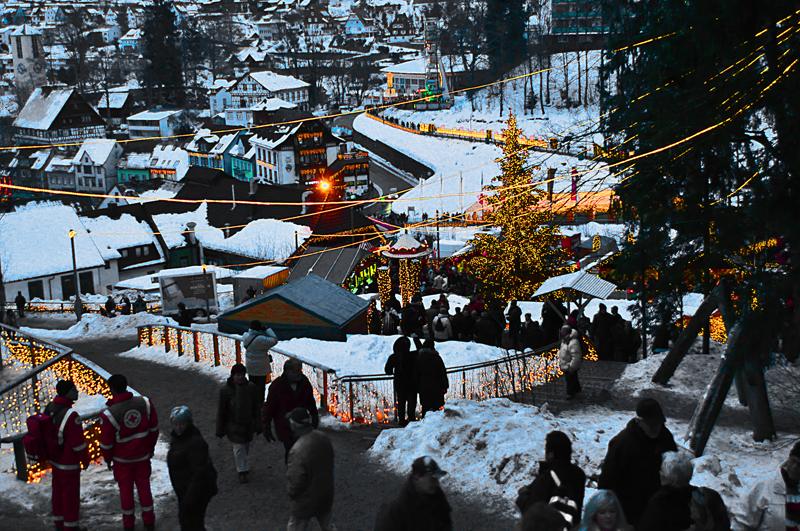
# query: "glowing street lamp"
{"type": "Point", "coordinates": [78, 303]}
{"type": "Point", "coordinates": [324, 185]}
{"type": "Point", "coordinates": [205, 288]}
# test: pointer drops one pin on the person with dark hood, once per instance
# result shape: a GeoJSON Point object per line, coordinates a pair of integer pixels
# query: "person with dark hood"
{"type": "Point", "coordinates": [485, 330]}
{"type": "Point", "coordinates": [309, 474]}
{"type": "Point", "coordinates": [239, 416]}
{"type": "Point", "coordinates": [533, 335]}
{"type": "Point", "coordinates": [468, 330]}
{"type": "Point", "coordinates": [110, 306]}
{"type": "Point", "coordinates": [669, 509]}
{"type": "Point", "coordinates": [393, 303]}
{"type": "Point", "coordinates": [257, 341]}
{"type": "Point", "coordinates": [72, 457]}
{"type": "Point", "coordinates": [551, 321]}
{"type": "Point", "coordinates": [126, 305]}
{"type": "Point", "coordinates": [20, 302]}
{"type": "Point", "coordinates": [514, 318]}
{"type": "Point", "coordinates": [412, 317]}
{"type": "Point", "coordinates": [401, 364]}
{"type": "Point", "coordinates": [457, 324]}
{"type": "Point", "coordinates": [430, 378]}
{"type": "Point", "coordinates": [191, 470]}
{"type": "Point", "coordinates": [430, 314]}
{"type": "Point", "coordinates": [632, 343]}
{"type": "Point", "coordinates": [184, 318]}
{"type": "Point", "coordinates": [420, 505]}
{"type": "Point", "coordinates": [602, 334]}
{"type": "Point", "coordinates": [289, 391]}
{"type": "Point", "coordinates": [559, 482]}
{"type": "Point", "coordinates": [442, 326]}
{"type": "Point", "coordinates": [772, 504]}
{"type": "Point", "coordinates": [139, 305]}
{"type": "Point", "coordinates": [632, 464]}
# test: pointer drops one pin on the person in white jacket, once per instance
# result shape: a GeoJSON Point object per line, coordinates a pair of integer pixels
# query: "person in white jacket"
{"type": "Point", "coordinates": [257, 341]}
{"type": "Point", "coordinates": [774, 503]}
{"type": "Point", "coordinates": [570, 359]}
{"type": "Point", "coordinates": [442, 329]}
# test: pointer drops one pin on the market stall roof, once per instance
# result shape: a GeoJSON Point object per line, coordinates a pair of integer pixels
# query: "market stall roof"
{"type": "Point", "coordinates": [406, 247]}
{"type": "Point", "coordinates": [331, 263]}
{"type": "Point", "coordinates": [579, 281]}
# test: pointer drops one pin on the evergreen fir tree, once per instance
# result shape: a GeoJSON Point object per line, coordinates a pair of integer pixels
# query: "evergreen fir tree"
{"type": "Point", "coordinates": [513, 264]}
{"type": "Point", "coordinates": [162, 73]}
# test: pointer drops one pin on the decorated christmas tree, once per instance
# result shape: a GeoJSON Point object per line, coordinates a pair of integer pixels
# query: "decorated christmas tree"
{"type": "Point", "coordinates": [512, 264]}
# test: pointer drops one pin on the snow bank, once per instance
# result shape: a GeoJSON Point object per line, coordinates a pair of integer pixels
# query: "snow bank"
{"type": "Point", "coordinates": [94, 325]}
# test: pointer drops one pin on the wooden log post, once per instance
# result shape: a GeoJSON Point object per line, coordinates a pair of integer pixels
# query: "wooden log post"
{"type": "Point", "coordinates": [707, 411]}
{"type": "Point", "coordinates": [685, 340]}
{"type": "Point", "coordinates": [755, 387]}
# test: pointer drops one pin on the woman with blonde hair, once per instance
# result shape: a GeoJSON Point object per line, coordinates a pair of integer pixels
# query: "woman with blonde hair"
{"type": "Point", "coordinates": [603, 513]}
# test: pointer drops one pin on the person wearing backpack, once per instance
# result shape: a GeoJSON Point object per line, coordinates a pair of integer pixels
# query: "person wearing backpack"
{"type": "Point", "coordinates": [69, 458]}
{"type": "Point", "coordinates": [442, 328]}
{"type": "Point", "coordinates": [257, 341]}
{"type": "Point", "coordinates": [128, 437]}
{"type": "Point", "coordinates": [559, 483]}
{"type": "Point", "coordinates": [570, 359]}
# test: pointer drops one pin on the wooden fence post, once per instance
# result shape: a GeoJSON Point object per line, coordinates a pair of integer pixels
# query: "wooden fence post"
{"type": "Point", "coordinates": [21, 461]}
{"type": "Point", "coordinates": [238, 351]}
{"type": "Point", "coordinates": [150, 335]}
{"type": "Point", "coordinates": [216, 350]}
{"type": "Point", "coordinates": [351, 401]}
{"type": "Point", "coordinates": [196, 346]}
{"type": "Point", "coordinates": [180, 344]}
{"type": "Point", "coordinates": [324, 390]}
{"type": "Point", "coordinates": [463, 384]}
{"type": "Point", "coordinates": [167, 346]}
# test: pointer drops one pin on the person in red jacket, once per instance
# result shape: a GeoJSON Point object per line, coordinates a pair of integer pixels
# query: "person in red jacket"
{"type": "Point", "coordinates": [128, 436]}
{"type": "Point", "coordinates": [74, 456]}
{"type": "Point", "coordinates": [290, 390]}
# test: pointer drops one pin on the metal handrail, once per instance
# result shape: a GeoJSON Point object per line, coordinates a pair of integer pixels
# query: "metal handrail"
{"type": "Point", "coordinates": [54, 346]}
{"type": "Point", "coordinates": [36, 370]}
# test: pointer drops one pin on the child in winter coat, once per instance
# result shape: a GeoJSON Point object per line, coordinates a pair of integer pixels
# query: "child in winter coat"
{"type": "Point", "coordinates": [604, 513]}
{"type": "Point", "coordinates": [708, 511]}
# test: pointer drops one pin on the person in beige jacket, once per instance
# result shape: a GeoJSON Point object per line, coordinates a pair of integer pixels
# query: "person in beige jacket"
{"type": "Point", "coordinates": [570, 359]}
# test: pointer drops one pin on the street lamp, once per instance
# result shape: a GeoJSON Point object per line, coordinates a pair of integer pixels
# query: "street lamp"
{"type": "Point", "coordinates": [78, 303]}
{"type": "Point", "coordinates": [205, 288]}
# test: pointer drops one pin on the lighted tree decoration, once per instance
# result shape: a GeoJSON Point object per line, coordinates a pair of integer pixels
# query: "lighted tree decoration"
{"type": "Point", "coordinates": [526, 252]}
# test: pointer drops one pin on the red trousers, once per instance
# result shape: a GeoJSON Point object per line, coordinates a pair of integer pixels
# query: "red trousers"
{"type": "Point", "coordinates": [66, 498]}
{"type": "Point", "coordinates": [126, 474]}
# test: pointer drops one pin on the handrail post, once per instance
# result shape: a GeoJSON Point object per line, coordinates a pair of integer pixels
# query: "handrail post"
{"type": "Point", "coordinates": [463, 384]}
{"type": "Point", "coordinates": [21, 461]}
{"type": "Point", "coordinates": [216, 350]}
{"type": "Point", "coordinates": [196, 346]}
{"type": "Point", "coordinates": [238, 351]}
{"type": "Point", "coordinates": [33, 353]}
{"type": "Point", "coordinates": [167, 346]}
{"type": "Point", "coordinates": [150, 335]}
{"type": "Point", "coordinates": [180, 344]}
{"type": "Point", "coordinates": [496, 382]}
{"type": "Point", "coordinates": [351, 401]}
{"type": "Point", "coordinates": [324, 390]}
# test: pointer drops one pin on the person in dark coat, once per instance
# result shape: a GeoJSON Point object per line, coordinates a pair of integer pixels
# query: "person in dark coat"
{"type": "Point", "coordinates": [20, 302]}
{"type": "Point", "coordinates": [558, 477]}
{"type": "Point", "coordinates": [393, 303]}
{"type": "Point", "coordinates": [184, 316]}
{"type": "Point", "coordinates": [110, 306]}
{"type": "Point", "coordinates": [602, 334]}
{"type": "Point", "coordinates": [239, 416]}
{"type": "Point", "coordinates": [514, 318]}
{"type": "Point", "coordinates": [632, 464]}
{"type": "Point", "coordinates": [126, 305]}
{"type": "Point", "coordinates": [421, 505]}
{"type": "Point", "coordinates": [533, 335]}
{"type": "Point", "coordinates": [412, 318]}
{"type": "Point", "coordinates": [468, 330]}
{"type": "Point", "coordinates": [457, 324]}
{"type": "Point", "coordinates": [551, 321]}
{"type": "Point", "coordinates": [401, 365]}
{"type": "Point", "coordinates": [669, 508]}
{"type": "Point", "coordinates": [139, 305]}
{"type": "Point", "coordinates": [430, 378]}
{"type": "Point", "coordinates": [485, 330]}
{"type": "Point", "coordinates": [430, 313]}
{"type": "Point", "coordinates": [290, 390]}
{"type": "Point", "coordinates": [191, 471]}
{"type": "Point", "coordinates": [309, 474]}
{"type": "Point", "coordinates": [632, 343]}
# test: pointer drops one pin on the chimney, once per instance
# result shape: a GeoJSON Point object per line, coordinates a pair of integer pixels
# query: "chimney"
{"type": "Point", "coordinates": [304, 197]}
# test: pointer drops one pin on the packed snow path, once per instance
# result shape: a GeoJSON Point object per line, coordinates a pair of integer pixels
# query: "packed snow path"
{"type": "Point", "coordinates": [361, 484]}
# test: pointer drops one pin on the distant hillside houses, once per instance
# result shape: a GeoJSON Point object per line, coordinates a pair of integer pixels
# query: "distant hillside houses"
{"type": "Point", "coordinates": [57, 115]}
{"type": "Point", "coordinates": [255, 87]}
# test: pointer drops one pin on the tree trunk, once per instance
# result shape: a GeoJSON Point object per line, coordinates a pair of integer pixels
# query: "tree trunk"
{"type": "Point", "coordinates": [687, 337]}
{"type": "Point", "coordinates": [756, 391]}
{"type": "Point", "coordinates": [707, 411]}
{"type": "Point", "coordinates": [579, 77]}
{"type": "Point", "coordinates": [566, 79]}
{"type": "Point", "coordinates": [586, 85]}
{"type": "Point", "coordinates": [547, 73]}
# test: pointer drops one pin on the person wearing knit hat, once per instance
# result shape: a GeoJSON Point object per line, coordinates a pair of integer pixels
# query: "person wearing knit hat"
{"type": "Point", "coordinates": [239, 416]}
{"type": "Point", "coordinates": [774, 503]}
{"type": "Point", "coordinates": [191, 471]}
{"type": "Point", "coordinates": [73, 456]}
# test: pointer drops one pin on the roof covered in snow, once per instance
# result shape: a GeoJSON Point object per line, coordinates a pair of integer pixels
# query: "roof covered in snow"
{"type": "Point", "coordinates": [98, 149]}
{"type": "Point", "coordinates": [272, 104]}
{"type": "Point", "coordinates": [43, 107]}
{"type": "Point", "coordinates": [109, 235]}
{"type": "Point", "coordinates": [276, 82]}
{"type": "Point", "coordinates": [118, 100]}
{"type": "Point", "coordinates": [579, 281]}
{"type": "Point", "coordinates": [155, 115]}
{"type": "Point", "coordinates": [34, 242]}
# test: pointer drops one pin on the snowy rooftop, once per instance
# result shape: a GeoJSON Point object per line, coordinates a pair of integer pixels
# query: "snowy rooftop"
{"type": "Point", "coordinates": [98, 150]}
{"type": "Point", "coordinates": [276, 82]}
{"type": "Point", "coordinates": [133, 35]}
{"type": "Point", "coordinates": [263, 239]}
{"type": "Point", "coordinates": [418, 66]}
{"type": "Point", "coordinates": [109, 235]}
{"type": "Point", "coordinates": [34, 242]}
{"type": "Point", "coordinates": [261, 271]}
{"type": "Point", "coordinates": [154, 115]}
{"type": "Point", "coordinates": [42, 107]}
{"type": "Point", "coordinates": [118, 100]}
{"type": "Point", "coordinates": [39, 159]}
{"type": "Point", "coordinates": [272, 104]}
{"type": "Point", "coordinates": [26, 29]}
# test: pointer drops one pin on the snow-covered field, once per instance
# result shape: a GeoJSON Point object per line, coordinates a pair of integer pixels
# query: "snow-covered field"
{"type": "Point", "coordinates": [93, 325]}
